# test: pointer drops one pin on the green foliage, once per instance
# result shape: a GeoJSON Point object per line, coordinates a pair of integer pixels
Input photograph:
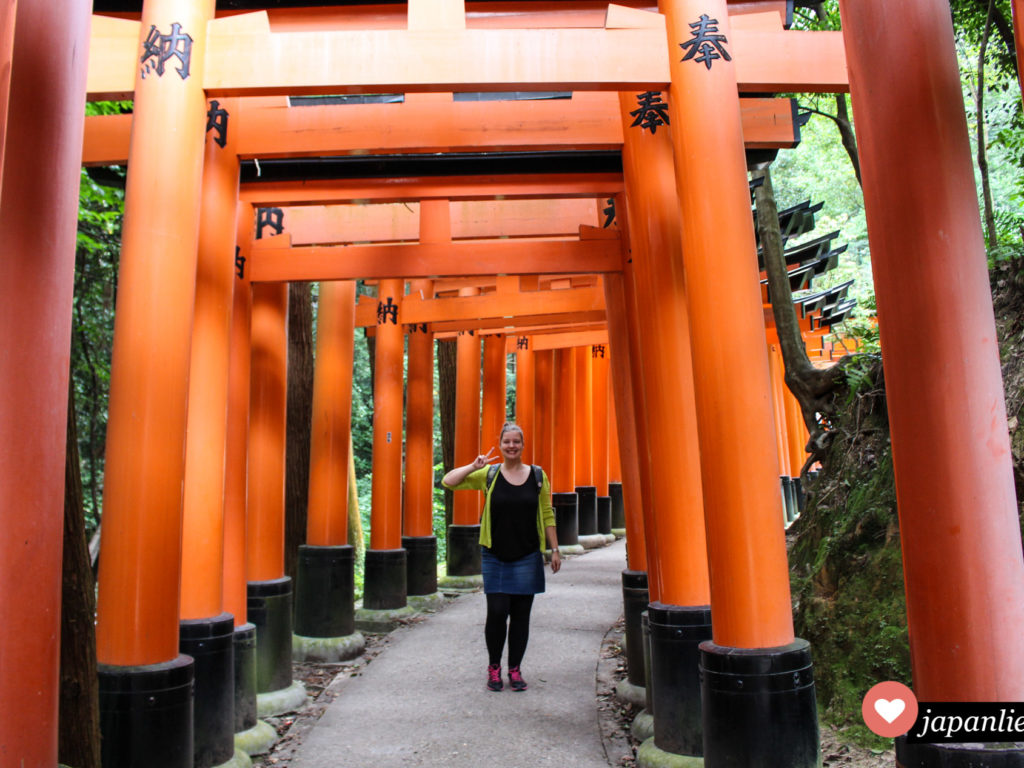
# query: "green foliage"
{"type": "Point", "coordinates": [96, 263]}
{"type": "Point", "coordinates": [846, 564]}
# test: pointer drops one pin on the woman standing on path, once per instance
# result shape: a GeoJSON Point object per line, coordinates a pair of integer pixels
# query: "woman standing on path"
{"type": "Point", "coordinates": [517, 519]}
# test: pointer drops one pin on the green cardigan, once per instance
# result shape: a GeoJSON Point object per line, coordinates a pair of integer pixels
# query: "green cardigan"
{"type": "Point", "coordinates": [477, 481]}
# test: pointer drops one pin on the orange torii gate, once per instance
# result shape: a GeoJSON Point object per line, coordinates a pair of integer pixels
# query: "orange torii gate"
{"type": "Point", "coordinates": [982, 665]}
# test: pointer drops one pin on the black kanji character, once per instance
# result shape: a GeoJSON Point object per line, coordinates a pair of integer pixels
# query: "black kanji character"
{"type": "Point", "coordinates": [597, 350]}
{"type": "Point", "coordinates": [420, 328]}
{"type": "Point", "coordinates": [609, 213]}
{"type": "Point", "coordinates": [651, 113]}
{"type": "Point", "coordinates": [523, 342]}
{"type": "Point", "coordinates": [706, 42]}
{"type": "Point", "coordinates": [269, 217]}
{"type": "Point", "coordinates": [217, 120]}
{"type": "Point", "coordinates": [163, 48]}
{"type": "Point", "coordinates": [239, 263]}
{"type": "Point", "coordinates": [386, 312]}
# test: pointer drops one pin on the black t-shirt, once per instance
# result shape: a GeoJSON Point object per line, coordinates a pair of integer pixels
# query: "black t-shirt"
{"type": "Point", "coordinates": [514, 518]}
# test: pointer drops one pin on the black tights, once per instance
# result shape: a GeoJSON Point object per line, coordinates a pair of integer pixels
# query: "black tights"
{"type": "Point", "coordinates": [515, 610]}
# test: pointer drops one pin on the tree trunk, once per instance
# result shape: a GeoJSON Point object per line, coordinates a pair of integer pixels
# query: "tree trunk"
{"type": "Point", "coordinates": [446, 407]}
{"type": "Point", "coordinates": [300, 415]}
{"type": "Point", "coordinates": [811, 387]}
{"type": "Point", "coordinates": [79, 730]}
{"type": "Point", "coordinates": [355, 519]}
{"type": "Point", "coordinates": [1004, 27]}
{"type": "Point", "coordinates": [979, 99]}
{"type": "Point", "coordinates": [847, 134]}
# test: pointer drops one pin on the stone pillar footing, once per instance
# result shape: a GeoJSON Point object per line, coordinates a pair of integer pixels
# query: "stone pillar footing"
{"type": "Point", "coordinates": [270, 609]}
{"type": "Point", "coordinates": [382, 621]}
{"type": "Point", "coordinates": [289, 699]}
{"type": "Point", "coordinates": [146, 714]}
{"type": "Point", "coordinates": [648, 755]}
{"type": "Point", "coordinates": [759, 705]}
{"type": "Point", "coordinates": [676, 634]}
{"type": "Point", "coordinates": [328, 650]}
{"type": "Point", "coordinates": [325, 592]}
{"type": "Point", "coordinates": [464, 550]}
{"type": "Point", "coordinates": [421, 564]}
{"type": "Point", "coordinates": [256, 740]}
{"type": "Point", "coordinates": [210, 643]}
{"type": "Point", "coordinates": [642, 727]}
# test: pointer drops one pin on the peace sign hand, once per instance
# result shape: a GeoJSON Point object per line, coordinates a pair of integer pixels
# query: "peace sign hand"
{"type": "Point", "coordinates": [483, 460]}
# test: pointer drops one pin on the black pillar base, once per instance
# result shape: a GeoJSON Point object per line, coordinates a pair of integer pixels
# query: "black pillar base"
{"type": "Point", "coordinates": [635, 597]}
{"type": "Point", "coordinates": [146, 714]}
{"type": "Point", "coordinates": [464, 550]}
{"type": "Point", "coordinates": [270, 609]}
{"type": "Point", "coordinates": [676, 634]}
{"type": "Point", "coordinates": [210, 642]}
{"type": "Point", "coordinates": [587, 495]}
{"type": "Point", "coordinates": [566, 518]}
{"type": "Point", "coordinates": [759, 706]}
{"type": "Point", "coordinates": [604, 515]}
{"type": "Point", "coordinates": [800, 498]}
{"type": "Point", "coordinates": [1009, 755]}
{"type": "Point", "coordinates": [645, 627]}
{"type": "Point", "coordinates": [420, 564]}
{"type": "Point", "coordinates": [384, 579]}
{"type": "Point", "coordinates": [325, 591]}
{"type": "Point", "coordinates": [245, 677]}
{"type": "Point", "coordinates": [787, 496]}
{"type": "Point", "coordinates": [618, 507]}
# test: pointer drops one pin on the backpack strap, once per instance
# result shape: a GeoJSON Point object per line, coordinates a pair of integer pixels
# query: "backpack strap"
{"type": "Point", "coordinates": [538, 475]}
{"type": "Point", "coordinates": [492, 473]}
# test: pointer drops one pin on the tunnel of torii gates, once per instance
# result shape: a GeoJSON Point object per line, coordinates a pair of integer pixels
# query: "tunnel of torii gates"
{"type": "Point", "coordinates": [701, 434]}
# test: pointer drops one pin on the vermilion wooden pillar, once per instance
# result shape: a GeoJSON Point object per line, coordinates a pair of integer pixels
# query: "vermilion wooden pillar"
{"type": "Point", "coordinates": [525, 397]}
{"type": "Point", "coordinates": [599, 435]}
{"type": "Point", "coordinates": [492, 414]}
{"type": "Point", "coordinates": [38, 219]}
{"type": "Point", "coordinates": [750, 595]}
{"type": "Point", "coordinates": [142, 507]}
{"type": "Point", "coordinates": [8, 11]}
{"type": "Point", "coordinates": [418, 523]}
{"type": "Point", "coordinates": [779, 391]}
{"type": "Point", "coordinates": [269, 589]}
{"type": "Point", "coordinates": [325, 573]}
{"type": "Point", "coordinates": [385, 559]}
{"type": "Point", "coordinates": [419, 541]}
{"type": "Point", "coordinates": [464, 533]}
{"type": "Point", "coordinates": [563, 445]}
{"type": "Point", "coordinates": [235, 581]}
{"type": "Point", "coordinates": [207, 631]}
{"type": "Point", "coordinates": [665, 359]}
{"type": "Point", "coordinates": [543, 418]}
{"type": "Point", "coordinates": [636, 582]}
{"type": "Point", "coordinates": [584, 420]}
{"type": "Point", "coordinates": [962, 556]}
{"type": "Point", "coordinates": [327, 522]}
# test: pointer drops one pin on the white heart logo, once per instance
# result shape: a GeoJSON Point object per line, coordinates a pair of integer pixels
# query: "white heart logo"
{"type": "Point", "coordinates": [890, 710]}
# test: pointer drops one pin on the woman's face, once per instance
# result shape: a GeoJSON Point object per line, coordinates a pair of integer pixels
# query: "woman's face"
{"type": "Point", "coordinates": [511, 444]}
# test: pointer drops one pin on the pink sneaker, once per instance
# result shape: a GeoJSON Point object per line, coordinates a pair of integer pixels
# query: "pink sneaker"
{"type": "Point", "coordinates": [515, 679]}
{"type": "Point", "coordinates": [494, 677]}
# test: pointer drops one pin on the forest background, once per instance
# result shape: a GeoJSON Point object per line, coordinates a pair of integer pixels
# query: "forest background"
{"type": "Point", "coordinates": [823, 169]}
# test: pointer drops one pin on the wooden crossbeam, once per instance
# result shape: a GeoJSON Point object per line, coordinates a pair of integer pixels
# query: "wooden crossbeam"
{"type": "Point", "coordinates": [272, 261]}
{"type": "Point", "coordinates": [245, 58]}
{"type": "Point", "coordinates": [539, 186]}
{"type": "Point", "coordinates": [269, 128]}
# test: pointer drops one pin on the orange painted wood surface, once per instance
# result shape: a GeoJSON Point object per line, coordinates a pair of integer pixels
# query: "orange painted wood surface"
{"type": "Point", "coordinates": [331, 426]}
{"type": "Point", "coordinates": [38, 214]}
{"type": "Point", "coordinates": [145, 449]}
{"type": "Point", "coordinates": [202, 566]}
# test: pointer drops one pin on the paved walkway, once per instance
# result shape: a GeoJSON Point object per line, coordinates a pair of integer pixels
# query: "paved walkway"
{"type": "Point", "coordinates": [422, 702]}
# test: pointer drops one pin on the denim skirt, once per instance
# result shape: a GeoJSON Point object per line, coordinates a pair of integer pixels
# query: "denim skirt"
{"type": "Point", "coordinates": [524, 576]}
